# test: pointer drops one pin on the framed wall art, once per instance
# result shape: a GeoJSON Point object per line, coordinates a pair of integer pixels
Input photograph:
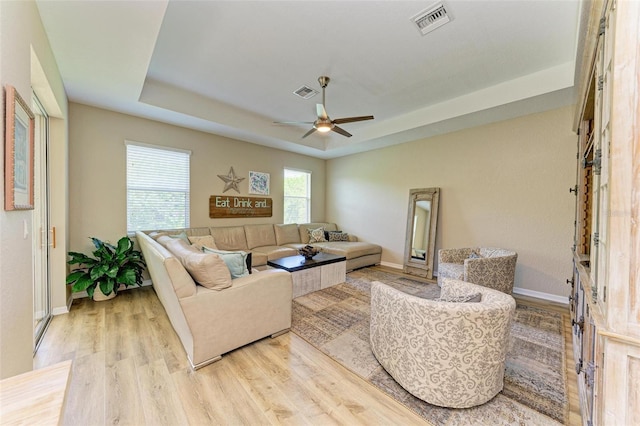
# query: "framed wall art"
{"type": "Point", "coordinates": [18, 163]}
{"type": "Point", "coordinates": [259, 183]}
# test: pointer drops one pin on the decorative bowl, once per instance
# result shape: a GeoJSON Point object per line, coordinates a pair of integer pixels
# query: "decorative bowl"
{"type": "Point", "coordinates": [308, 252]}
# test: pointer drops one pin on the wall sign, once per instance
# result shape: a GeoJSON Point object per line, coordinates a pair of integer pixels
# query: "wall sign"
{"type": "Point", "coordinates": [225, 206]}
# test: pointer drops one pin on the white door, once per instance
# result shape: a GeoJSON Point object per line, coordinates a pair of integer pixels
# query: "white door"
{"type": "Point", "coordinates": [43, 236]}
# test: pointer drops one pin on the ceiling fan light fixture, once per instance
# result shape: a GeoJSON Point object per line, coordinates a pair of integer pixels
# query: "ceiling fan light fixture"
{"type": "Point", "coordinates": [323, 127]}
{"type": "Point", "coordinates": [323, 123]}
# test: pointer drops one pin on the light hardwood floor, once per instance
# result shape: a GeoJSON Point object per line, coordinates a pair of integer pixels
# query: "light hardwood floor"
{"type": "Point", "coordinates": [129, 368]}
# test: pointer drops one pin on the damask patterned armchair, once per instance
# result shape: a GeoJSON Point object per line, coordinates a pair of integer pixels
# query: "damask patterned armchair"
{"type": "Point", "coordinates": [445, 353]}
{"type": "Point", "coordinates": [489, 267]}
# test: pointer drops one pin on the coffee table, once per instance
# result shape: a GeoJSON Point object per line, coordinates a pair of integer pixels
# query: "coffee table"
{"type": "Point", "coordinates": [323, 271]}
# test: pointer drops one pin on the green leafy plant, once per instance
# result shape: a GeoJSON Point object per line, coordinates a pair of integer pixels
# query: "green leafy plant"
{"type": "Point", "coordinates": [110, 267]}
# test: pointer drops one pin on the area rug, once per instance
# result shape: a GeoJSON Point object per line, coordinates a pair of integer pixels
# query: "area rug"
{"type": "Point", "coordinates": [336, 321]}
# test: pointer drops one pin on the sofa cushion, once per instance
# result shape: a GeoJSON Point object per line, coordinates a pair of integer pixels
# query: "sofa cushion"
{"type": "Point", "coordinates": [260, 235]}
{"type": "Point", "coordinates": [258, 258]}
{"type": "Point", "coordinates": [453, 290]}
{"type": "Point", "coordinates": [230, 238]}
{"type": "Point", "coordinates": [304, 234]}
{"type": "Point", "coordinates": [203, 241]}
{"type": "Point", "coordinates": [275, 252]}
{"type": "Point", "coordinates": [208, 270]}
{"type": "Point", "coordinates": [286, 234]}
{"type": "Point", "coordinates": [463, 298]}
{"type": "Point", "coordinates": [349, 250]}
{"type": "Point", "coordinates": [198, 232]}
{"type": "Point", "coordinates": [236, 261]}
{"type": "Point", "coordinates": [450, 270]}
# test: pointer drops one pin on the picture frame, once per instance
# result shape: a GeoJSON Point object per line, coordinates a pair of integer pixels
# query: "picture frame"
{"type": "Point", "coordinates": [19, 146]}
{"type": "Point", "coordinates": [259, 183]}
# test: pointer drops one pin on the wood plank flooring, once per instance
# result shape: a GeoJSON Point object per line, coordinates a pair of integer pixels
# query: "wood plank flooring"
{"type": "Point", "coordinates": [129, 368]}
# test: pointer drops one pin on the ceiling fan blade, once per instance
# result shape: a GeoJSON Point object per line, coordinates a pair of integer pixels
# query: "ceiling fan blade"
{"type": "Point", "coordinates": [322, 113]}
{"type": "Point", "coordinates": [342, 131]}
{"type": "Point", "coordinates": [292, 122]}
{"type": "Point", "coordinates": [352, 119]}
{"type": "Point", "coordinates": [313, 129]}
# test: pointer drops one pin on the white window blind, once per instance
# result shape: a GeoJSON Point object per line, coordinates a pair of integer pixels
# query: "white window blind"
{"type": "Point", "coordinates": [157, 187]}
{"type": "Point", "coordinates": [297, 196]}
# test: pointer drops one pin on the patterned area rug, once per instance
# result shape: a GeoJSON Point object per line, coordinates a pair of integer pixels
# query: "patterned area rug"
{"type": "Point", "coordinates": [336, 321]}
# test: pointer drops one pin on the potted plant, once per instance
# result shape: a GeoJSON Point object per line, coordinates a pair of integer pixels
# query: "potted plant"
{"type": "Point", "coordinates": [110, 267]}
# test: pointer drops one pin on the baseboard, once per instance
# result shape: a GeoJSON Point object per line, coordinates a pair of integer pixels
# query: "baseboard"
{"type": "Point", "coordinates": [83, 294]}
{"type": "Point", "coordinates": [391, 265]}
{"type": "Point", "coordinates": [562, 300]}
{"type": "Point", "coordinates": [60, 310]}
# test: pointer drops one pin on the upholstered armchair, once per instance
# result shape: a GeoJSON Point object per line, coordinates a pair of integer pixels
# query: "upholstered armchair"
{"type": "Point", "coordinates": [489, 267]}
{"type": "Point", "coordinates": [448, 354]}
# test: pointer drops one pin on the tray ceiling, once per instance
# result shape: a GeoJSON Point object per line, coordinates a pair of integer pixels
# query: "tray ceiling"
{"type": "Point", "coordinates": [231, 67]}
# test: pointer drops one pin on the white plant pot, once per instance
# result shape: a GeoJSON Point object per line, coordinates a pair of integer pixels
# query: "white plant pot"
{"type": "Point", "coordinates": [99, 296]}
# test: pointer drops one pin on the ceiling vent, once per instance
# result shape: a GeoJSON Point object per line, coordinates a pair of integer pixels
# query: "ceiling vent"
{"type": "Point", "coordinates": [305, 92]}
{"type": "Point", "coordinates": [430, 19]}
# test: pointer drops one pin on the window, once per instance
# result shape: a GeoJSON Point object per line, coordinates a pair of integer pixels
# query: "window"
{"type": "Point", "coordinates": [297, 196]}
{"type": "Point", "coordinates": [157, 187]}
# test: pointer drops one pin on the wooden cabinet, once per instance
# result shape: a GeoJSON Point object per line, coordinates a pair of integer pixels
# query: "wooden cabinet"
{"type": "Point", "coordinates": [605, 296]}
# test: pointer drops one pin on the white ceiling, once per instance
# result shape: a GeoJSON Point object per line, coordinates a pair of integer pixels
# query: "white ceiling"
{"type": "Point", "coordinates": [230, 67]}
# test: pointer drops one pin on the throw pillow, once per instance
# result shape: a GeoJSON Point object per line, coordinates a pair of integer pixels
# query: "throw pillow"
{"type": "Point", "coordinates": [178, 247]}
{"type": "Point", "coordinates": [337, 236]}
{"type": "Point", "coordinates": [203, 241]}
{"type": "Point", "coordinates": [157, 234]}
{"type": "Point", "coordinates": [465, 298]}
{"type": "Point", "coordinates": [236, 261]}
{"type": "Point", "coordinates": [326, 234]}
{"type": "Point", "coordinates": [181, 236]}
{"type": "Point", "coordinates": [316, 235]}
{"type": "Point", "coordinates": [208, 270]}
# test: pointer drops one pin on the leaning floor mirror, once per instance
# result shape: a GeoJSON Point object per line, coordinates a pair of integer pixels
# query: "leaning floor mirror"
{"type": "Point", "coordinates": [422, 221]}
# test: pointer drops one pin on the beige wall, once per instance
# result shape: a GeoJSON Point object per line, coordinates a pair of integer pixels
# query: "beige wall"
{"type": "Point", "coordinates": [22, 39]}
{"type": "Point", "coordinates": [504, 185]}
{"type": "Point", "coordinates": [97, 172]}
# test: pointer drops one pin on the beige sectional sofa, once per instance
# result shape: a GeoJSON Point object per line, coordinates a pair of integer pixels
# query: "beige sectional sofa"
{"type": "Point", "coordinates": [222, 314]}
{"type": "Point", "coordinates": [211, 322]}
{"type": "Point", "coordinates": [269, 241]}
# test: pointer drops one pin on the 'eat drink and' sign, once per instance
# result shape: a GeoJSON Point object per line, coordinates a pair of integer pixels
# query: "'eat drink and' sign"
{"type": "Point", "coordinates": [225, 206]}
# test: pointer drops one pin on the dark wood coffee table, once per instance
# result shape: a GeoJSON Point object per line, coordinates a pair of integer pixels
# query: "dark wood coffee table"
{"type": "Point", "coordinates": [323, 271]}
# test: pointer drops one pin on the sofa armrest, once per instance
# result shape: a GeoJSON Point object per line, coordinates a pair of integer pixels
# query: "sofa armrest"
{"type": "Point", "coordinates": [255, 306]}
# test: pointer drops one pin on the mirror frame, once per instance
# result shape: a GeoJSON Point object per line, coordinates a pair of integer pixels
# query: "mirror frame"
{"type": "Point", "coordinates": [412, 266]}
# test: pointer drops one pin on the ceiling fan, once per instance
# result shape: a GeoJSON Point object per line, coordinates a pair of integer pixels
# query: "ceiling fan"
{"type": "Point", "coordinates": [323, 123]}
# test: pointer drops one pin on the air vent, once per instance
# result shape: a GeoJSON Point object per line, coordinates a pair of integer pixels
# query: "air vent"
{"type": "Point", "coordinates": [305, 92]}
{"type": "Point", "coordinates": [431, 18]}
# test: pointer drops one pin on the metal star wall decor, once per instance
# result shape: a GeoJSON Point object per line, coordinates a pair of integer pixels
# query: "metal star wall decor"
{"type": "Point", "coordinates": [231, 181]}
